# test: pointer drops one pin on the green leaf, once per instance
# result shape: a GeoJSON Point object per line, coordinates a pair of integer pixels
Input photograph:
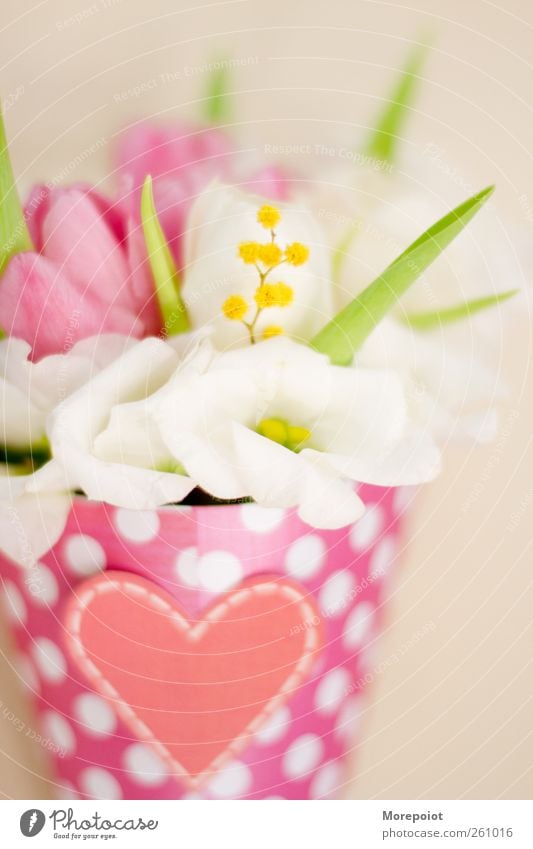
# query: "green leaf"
{"type": "Point", "coordinates": [435, 318]}
{"type": "Point", "coordinates": [164, 271]}
{"type": "Point", "coordinates": [217, 105]}
{"type": "Point", "coordinates": [383, 142]}
{"type": "Point", "coordinates": [14, 235]}
{"type": "Point", "coordinates": [341, 249]}
{"type": "Point", "coordinates": [345, 333]}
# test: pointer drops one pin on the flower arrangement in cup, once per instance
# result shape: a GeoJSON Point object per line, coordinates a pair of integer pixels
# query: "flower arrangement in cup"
{"type": "Point", "coordinates": [195, 338]}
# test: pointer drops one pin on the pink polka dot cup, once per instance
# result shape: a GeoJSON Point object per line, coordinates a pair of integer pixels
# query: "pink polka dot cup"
{"type": "Point", "coordinates": [202, 652]}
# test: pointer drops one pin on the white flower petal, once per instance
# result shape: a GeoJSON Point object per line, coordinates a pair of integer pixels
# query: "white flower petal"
{"type": "Point", "coordinates": [446, 386]}
{"type": "Point", "coordinates": [77, 423]}
{"type": "Point", "coordinates": [414, 459]}
{"type": "Point", "coordinates": [275, 476]}
{"type": "Point", "coordinates": [30, 522]}
{"type": "Point", "coordinates": [131, 438]}
{"type": "Point", "coordinates": [220, 220]}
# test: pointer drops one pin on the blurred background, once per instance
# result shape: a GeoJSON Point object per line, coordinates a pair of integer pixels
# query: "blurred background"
{"type": "Point", "coordinates": [451, 689]}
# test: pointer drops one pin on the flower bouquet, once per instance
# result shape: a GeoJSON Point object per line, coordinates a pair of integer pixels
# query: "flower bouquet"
{"type": "Point", "coordinates": [211, 428]}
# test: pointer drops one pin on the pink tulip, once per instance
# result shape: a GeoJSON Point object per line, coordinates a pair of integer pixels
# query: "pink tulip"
{"type": "Point", "coordinates": [182, 161]}
{"type": "Point", "coordinates": [85, 277]}
{"type": "Point", "coordinates": [89, 273]}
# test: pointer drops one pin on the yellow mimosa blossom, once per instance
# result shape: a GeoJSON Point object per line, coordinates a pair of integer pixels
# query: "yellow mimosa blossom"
{"type": "Point", "coordinates": [249, 251]}
{"type": "Point", "coordinates": [235, 307]}
{"type": "Point", "coordinates": [296, 254]}
{"type": "Point", "coordinates": [269, 216]}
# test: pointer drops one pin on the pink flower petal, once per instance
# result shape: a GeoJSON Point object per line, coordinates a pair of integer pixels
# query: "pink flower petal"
{"type": "Point", "coordinates": [77, 236]}
{"type": "Point", "coordinates": [171, 151]}
{"type": "Point", "coordinates": [42, 305]}
{"type": "Point", "coordinates": [42, 198]}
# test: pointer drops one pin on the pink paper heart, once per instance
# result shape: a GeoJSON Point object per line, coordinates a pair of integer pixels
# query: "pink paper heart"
{"type": "Point", "coordinates": [196, 689]}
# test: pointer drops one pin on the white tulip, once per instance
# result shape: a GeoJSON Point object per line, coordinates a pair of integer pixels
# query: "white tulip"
{"type": "Point", "coordinates": [385, 212]}
{"type": "Point", "coordinates": [221, 220]}
{"type": "Point", "coordinates": [449, 373]}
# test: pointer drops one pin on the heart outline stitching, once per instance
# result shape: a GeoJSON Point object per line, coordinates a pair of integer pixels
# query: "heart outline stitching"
{"type": "Point", "coordinates": [113, 581]}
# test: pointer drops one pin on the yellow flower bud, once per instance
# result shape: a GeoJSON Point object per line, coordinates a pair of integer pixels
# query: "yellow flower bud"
{"type": "Point", "coordinates": [270, 254]}
{"type": "Point", "coordinates": [296, 254]}
{"type": "Point", "coordinates": [273, 295]}
{"type": "Point", "coordinates": [269, 216]}
{"type": "Point", "coordinates": [249, 251]}
{"type": "Point", "coordinates": [284, 294]}
{"type": "Point", "coordinates": [235, 307]}
{"type": "Point", "coordinates": [272, 330]}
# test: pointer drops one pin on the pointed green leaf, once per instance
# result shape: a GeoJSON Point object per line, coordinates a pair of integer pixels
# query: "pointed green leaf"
{"type": "Point", "coordinates": [345, 333]}
{"type": "Point", "coordinates": [14, 235]}
{"type": "Point", "coordinates": [164, 271]}
{"type": "Point", "coordinates": [217, 104]}
{"type": "Point", "coordinates": [388, 131]}
{"type": "Point", "coordinates": [435, 318]}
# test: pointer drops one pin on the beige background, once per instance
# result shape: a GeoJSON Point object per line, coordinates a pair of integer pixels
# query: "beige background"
{"type": "Point", "coordinates": [452, 712]}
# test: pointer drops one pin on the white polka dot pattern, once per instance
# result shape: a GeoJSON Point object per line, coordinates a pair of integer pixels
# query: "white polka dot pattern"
{"type": "Point", "coordinates": [358, 625]}
{"type": "Point", "coordinates": [332, 689]}
{"type": "Point", "coordinates": [232, 781]}
{"type": "Point", "coordinates": [219, 571]}
{"type": "Point", "coordinates": [299, 752]}
{"type": "Point", "coordinates": [336, 594]}
{"type": "Point", "coordinates": [139, 526]}
{"type": "Point", "coordinates": [95, 714]}
{"type": "Point", "coordinates": [383, 557]}
{"type": "Point", "coordinates": [305, 557]}
{"type": "Point", "coordinates": [60, 732]}
{"type": "Point", "coordinates": [327, 781]}
{"type": "Point", "coordinates": [367, 529]}
{"type": "Point", "coordinates": [98, 783]}
{"type": "Point", "coordinates": [144, 765]}
{"type": "Point", "coordinates": [187, 566]}
{"type": "Point", "coordinates": [302, 756]}
{"type": "Point", "coordinates": [84, 555]}
{"type": "Point", "coordinates": [50, 660]}
{"type": "Point", "coordinates": [43, 586]}
{"type": "Point", "coordinates": [14, 603]}
{"type": "Point", "coordinates": [276, 727]}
